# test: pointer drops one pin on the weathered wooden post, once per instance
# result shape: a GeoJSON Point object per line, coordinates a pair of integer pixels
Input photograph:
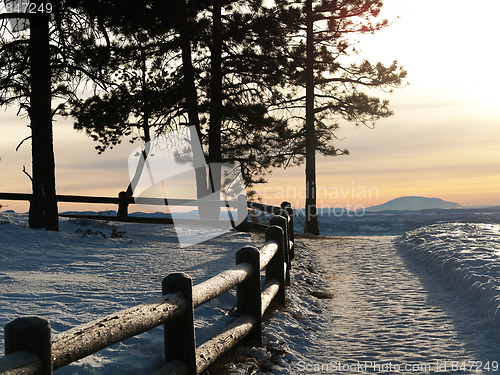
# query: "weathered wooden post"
{"type": "Point", "coordinates": [33, 335]}
{"type": "Point", "coordinates": [122, 205]}
{"type": "Point", "coordinates": [248, 293]}
{"type": "Point", "coordinates": [275, 269]}
{"type": "Point", "coordinates": [282, 222]}
{"type": "Point", "coordinates": [242, 207]}
{"type": "Point", "coordinates": [287, 206]}
{"type": "Point", "coordinates": [180, 341]}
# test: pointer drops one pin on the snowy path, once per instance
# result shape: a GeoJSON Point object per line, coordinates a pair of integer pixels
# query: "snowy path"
{"type": "Point", "coordinates": [392, 313]}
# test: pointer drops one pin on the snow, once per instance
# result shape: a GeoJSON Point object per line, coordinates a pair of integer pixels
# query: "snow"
{"type": "Point", "coordinates": [83, 272]}
{"type": "Point", "coordinates": [429, 296]}
{"type": "Point", "coordinates": [468, 258]}
{"type": "Point", "coordinates": [386, 309]}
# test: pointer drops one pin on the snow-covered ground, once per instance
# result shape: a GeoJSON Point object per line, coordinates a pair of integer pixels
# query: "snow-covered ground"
{"type": "Point", "coordinates": [388, 314]}
{"type": "Point", "coordinates": [88, 270]}
{"type": "Point", "coordinates": [354, 302]}
{"type": "Point", "coordinates": [467, 256]}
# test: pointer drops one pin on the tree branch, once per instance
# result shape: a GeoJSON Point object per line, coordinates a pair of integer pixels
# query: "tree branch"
{"type": "Point", "coordinates": [27, 174]}
{"type": "Point", "coordinates": [20, 143]}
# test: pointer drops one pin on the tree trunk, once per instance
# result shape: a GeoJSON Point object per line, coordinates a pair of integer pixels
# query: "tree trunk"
{"type": "Point", "coordinates": [214, 135]}
{"type": "Point", "coordinates": [191, 97]}
{"type": "Point", "coordinates": [190, 92]}
{"type": "Point", "coordinates": [145, 153]}
{"type": "Point", "coordinates": [43, 206]}
{"type": "Point", "coordinates": [146, 129]}
{"type": "Point", "coordinates": [311, 211]}
{"type": "Point", "coordinates": [215, 152]}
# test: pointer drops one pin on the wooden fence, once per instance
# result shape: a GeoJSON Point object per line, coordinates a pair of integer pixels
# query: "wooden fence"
{"type": "Point", "coordinates": [123, 201]}
{"type": "Point", "coordinates": [30, 349]}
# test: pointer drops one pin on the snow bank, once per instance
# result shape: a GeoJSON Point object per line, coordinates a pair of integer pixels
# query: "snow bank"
{"type": "Point", "coordinates": [468, 258]}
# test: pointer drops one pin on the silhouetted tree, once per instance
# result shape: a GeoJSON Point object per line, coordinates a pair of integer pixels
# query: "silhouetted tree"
{"type": "Point", "coordinates": [145, 93]}
{"type": "Point", "coordinates": [245, 75]}
{"type": "Point", "coordinates": [324, 87]}
{"type": "Point", "coordinates": [142, 103]}
{"type": "Point", "coordinates": [32, 90]}
{"type": "Point", "coordinates": [243, 87]}
{"type": "Point", "coordinates": [222, 75]}
{"type": "Point", "coordinates": [41, 59]}
{"type": "Point", "coordinates": [184, 14]}
{"type": "Point", "coordinates": [43, 205]}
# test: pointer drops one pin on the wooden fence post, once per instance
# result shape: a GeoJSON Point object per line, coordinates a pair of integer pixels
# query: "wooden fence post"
{"type": "Point", "coordinates": [282, 222]}
{"type": "Point", "coordinates": [248, 293]}
{"type": "Point", "coordinates": [180, 341]}
{"type": "Point", "coordinates": [122, 205]}
{"type": "Point", "coordinates": [275, 269]}
{"type": "Point", "coordinates": [33, 335]}
{"type": "Point", "coordinates": [287, 206]}
{"type": "Point", "coordinates": [242, 207]}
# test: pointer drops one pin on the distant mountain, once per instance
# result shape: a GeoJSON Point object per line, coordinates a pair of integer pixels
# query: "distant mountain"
{"type": "Point", "coordinates": [413, 204]}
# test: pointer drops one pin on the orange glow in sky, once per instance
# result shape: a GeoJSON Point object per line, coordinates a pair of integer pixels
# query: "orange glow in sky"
{"type": "Point", "coordinates": [443, 141]}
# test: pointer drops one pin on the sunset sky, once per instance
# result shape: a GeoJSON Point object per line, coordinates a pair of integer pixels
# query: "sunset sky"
{"type": "Point", "coordinates": [443, 141]}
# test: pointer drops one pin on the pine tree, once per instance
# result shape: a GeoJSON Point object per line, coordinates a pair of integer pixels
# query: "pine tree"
{"type": "Point", "coordinates": [326, 89]}
{"type": "Point", "coordinates": [243, 88]}
{"type": "Point", "coordinates": [40, 61]}
{"type": "Point", "coordinates": [222, 75]}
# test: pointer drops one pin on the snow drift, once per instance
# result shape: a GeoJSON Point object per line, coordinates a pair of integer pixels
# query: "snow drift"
{"type": "Point", "coordinates": [468, 258]}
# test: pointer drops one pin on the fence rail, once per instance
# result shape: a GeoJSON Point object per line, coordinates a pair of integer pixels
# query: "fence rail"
{"type": "Point", "coordinates": [123, 201]}
{"type": "Point", "coordinates": [122, 197]}
{"type": "Point", "coordinates": [30, 349]}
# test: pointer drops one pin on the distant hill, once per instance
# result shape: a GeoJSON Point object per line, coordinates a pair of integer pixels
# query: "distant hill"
{"type": "Point", "coordinates": [413, 204]}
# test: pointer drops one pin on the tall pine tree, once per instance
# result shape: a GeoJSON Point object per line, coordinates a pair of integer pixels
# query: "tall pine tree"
{"type": "Point", "coordinates": [40, 61]}
{"type": "Point", "coordinates": [324, 88]}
